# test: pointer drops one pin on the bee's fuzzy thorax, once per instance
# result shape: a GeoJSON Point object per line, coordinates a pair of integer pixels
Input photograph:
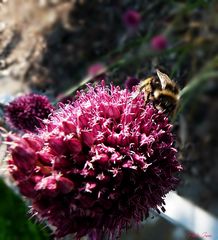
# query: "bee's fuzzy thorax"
{"type": "Point", "coordinates": [162, 91]}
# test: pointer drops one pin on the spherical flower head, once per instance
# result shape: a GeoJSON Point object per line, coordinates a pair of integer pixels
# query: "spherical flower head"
{"type": "Point", "coordinates": [131, 82]}
{"type": "Point", "coordinates": [25, 112]}
{"type": "Point", "coordinates": [131, 19]}
{"type": "Point", "coordinates": [98, 165]}
{"type": "Point", "coordinates": [159, 42]}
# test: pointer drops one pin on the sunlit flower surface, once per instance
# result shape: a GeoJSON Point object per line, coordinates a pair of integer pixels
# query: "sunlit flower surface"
{"type": "Point", "coordinates": [98, 165]}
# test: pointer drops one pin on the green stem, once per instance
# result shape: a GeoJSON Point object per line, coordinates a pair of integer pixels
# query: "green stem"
{"type": "Point", "coordinates": [195, 85]}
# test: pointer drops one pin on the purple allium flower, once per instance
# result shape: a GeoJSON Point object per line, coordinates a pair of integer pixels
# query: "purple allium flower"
{"type": "Point", "coordinates": [26, 112]}
{"type": "Point", "coordinates": [130, 82]}
{"type": "Point", "coordinates": [131, 19]}
{"type": "Point", "coordinates": [98, 164]}
{"type": "Point", "coordinates": [159, 42]}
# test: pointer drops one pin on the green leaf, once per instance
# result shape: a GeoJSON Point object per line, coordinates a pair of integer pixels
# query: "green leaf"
{"type": "Point", "coordinates": [14, 221]}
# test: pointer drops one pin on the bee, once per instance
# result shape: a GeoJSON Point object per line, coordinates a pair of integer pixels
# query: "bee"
{"type": "Point", "coordinates": [162, 91]}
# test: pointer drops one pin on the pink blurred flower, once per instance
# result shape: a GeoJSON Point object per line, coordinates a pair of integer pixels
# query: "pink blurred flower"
{"type": "Point", "coordinates": [159, 42]}
{"type": "Point", "coordinates": [131, 19]}
{"type": "Point", "coordinates": [96, 69]}
{"type": "Point", "coordinates": [26, 112]}
{"type": "Point", "coordinates": [97, 164]}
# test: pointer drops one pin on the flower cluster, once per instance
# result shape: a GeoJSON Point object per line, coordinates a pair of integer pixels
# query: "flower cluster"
{"type": "Point", "coordinates": [25, 112]}
{"type": "Point", "coordinates": [97, 164]}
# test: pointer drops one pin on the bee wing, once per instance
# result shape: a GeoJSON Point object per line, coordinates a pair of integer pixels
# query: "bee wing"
{"type": "Point", "coordinates": [164, 79]}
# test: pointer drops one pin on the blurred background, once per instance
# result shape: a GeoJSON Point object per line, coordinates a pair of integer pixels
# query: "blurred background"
{"type": "Point", "coordinates": [55, 46]}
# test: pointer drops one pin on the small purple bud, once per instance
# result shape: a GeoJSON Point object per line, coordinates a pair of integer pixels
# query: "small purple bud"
{"type": "Point", "coordinates": [34, 142]}
{"type": "Point", "coordinates": [24, 158]}
{"type": "Point", "coordinates": [102, 159]}
{"type": "Point", "coordinates": [68, 127]}
{"type": "Point", "coordinates": [74, 145]}
{"type": "Point", "coordinates": [47, 186]}
{"type": "Point", "coordinates": [57, 145]}
{"type": "Point", "coordinates": [87, 137]}
{"type": "Point", "coordinates": [45, 157]}
{"type": "Point", "coordinates": [82, 121]}
{"type": "Point", "coordinates": [65, 185]}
